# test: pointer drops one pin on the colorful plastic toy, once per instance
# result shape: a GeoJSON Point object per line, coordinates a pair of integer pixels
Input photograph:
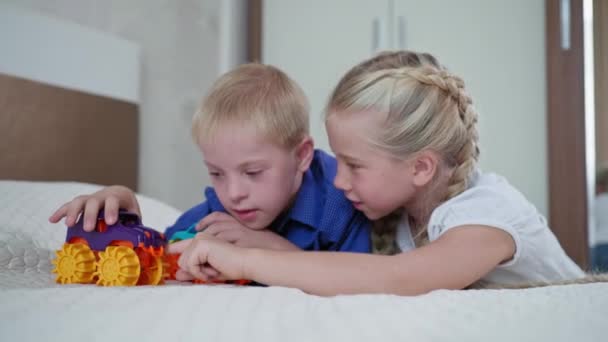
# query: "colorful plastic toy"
{"type": "Point", "coordinates": [122, 254]}
{"type": "Point", "coordinates": [171, 259]}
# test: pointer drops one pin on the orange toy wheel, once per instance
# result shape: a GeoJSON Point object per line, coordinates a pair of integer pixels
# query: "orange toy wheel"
{"type": "Point", "coordinates": [152, 268]}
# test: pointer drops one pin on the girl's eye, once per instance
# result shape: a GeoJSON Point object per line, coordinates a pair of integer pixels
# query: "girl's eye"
{"type": "Point", "coordinates": [253, 173]}
{"type": "Point", "coordinates": [353, 166]}
{"type": "Point", "coordinates": [214, 174]}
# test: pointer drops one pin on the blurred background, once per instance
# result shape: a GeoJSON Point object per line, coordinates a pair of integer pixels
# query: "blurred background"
{"type": "Point", "coordinates": [537, 72]}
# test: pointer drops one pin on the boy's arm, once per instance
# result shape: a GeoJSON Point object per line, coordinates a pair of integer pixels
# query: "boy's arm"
{"type": "Point", "coordinates": [227, 228]}
{"type": "Point", "coordinates": [193, 215]}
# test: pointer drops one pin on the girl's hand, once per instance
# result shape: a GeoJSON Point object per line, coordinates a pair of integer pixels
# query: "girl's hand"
{"type": "Point", "coordinates": [227, 228]}
{"type": "Point", "coordinates": [208, 258]}
{"type": "Point", "coordinates": [110, 198]}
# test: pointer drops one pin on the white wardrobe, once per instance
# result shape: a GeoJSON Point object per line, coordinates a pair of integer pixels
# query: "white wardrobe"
{"type": "Point", "coordinates": [497, 46]}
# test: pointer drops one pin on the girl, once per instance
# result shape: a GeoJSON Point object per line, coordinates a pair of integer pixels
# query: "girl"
{"type": "Point", "coordinates": [404, 132]}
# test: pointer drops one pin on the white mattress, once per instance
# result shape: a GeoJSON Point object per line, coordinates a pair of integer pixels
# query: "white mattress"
{"type": "Point", "coordinates": [34, 308]}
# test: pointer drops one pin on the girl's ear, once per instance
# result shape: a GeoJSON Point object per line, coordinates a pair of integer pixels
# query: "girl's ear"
{"type": "Point", "coordinates": [424, 168]}
{"type": "Point", "coordinates": [304, 153]}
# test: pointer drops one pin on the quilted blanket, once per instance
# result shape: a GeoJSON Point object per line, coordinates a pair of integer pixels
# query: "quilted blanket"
{"type": "Point", "coordinates": [34, 308]}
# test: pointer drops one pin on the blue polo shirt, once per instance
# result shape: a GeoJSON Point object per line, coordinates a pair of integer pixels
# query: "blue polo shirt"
{"type": "Point", "coordinates": [321, 218]}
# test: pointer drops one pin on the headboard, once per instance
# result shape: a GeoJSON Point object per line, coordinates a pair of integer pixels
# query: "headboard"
{"type": "Point", "coordinates": [50, 133]}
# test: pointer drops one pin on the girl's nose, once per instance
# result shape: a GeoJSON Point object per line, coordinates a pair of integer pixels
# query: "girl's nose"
{"type": "Point", "coordinates": [342, 181]}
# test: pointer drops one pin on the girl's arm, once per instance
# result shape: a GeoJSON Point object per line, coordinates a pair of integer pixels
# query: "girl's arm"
{"type": "Point", "coordinates": [457, 259]}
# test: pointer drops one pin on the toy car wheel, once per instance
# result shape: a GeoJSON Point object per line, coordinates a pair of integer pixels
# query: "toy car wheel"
{"type": "Point", "coordinates": [117, 266]}
{"type": "Point", "coordinates": [171, 267]}
{"type": "Point", "coordinates": [74, 264]}
{"type": "Point", "coordinates": [152, 268]}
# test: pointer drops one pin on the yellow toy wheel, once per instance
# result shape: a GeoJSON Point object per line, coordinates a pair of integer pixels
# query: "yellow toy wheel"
{"type": "Point", "coordinates": [117, 266]}
{"type": "Point", "coordinates": [74, 264]}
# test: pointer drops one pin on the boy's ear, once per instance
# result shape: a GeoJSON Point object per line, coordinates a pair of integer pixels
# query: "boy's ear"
{"type": "Point", "coordinates": [424, 168]}
{"type": "Point", "coordinates": [304, 153]}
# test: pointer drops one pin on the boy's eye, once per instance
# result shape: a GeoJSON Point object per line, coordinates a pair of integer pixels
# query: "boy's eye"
{"type": "Point", "coordinates": [214, 174]}
{"type": "Point", "coordinates": [253, 173]}
{"type": "Point", "coordinates": [353, 166]}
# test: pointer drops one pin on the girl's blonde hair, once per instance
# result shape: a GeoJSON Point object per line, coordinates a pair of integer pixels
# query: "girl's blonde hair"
{"type": "Point", "coordinates": [427, 108]}
{"type": "Point", "coordinates": [256, 94]}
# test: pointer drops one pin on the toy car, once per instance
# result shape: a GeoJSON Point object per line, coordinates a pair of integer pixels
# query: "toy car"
{"type": "Point", "coordinates": [123, 254]}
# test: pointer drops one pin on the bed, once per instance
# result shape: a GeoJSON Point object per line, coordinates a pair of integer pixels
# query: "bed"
{"type": "Point", "coordinates": [54, 146]}
{"type": "Point", "coordinates": [33, 307]}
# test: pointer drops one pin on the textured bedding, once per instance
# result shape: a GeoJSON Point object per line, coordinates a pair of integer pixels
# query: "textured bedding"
{"type": "Point", "coordinates": [34, 308]}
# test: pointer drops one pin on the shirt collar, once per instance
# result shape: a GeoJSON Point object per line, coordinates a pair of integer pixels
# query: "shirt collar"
{"type": "Point", "coordinates": [307, 206]}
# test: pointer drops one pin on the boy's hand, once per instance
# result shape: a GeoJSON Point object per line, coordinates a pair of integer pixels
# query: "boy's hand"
{"type": "Point", "coordinates": [227, 228]}
{"type": "Point", "coordinates": [208, 258]}
{"type": "Point", "coordinates": [111, 199]}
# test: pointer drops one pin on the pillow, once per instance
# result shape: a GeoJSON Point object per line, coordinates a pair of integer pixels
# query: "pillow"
{"type": "Point", "coordinates": [26, 206]}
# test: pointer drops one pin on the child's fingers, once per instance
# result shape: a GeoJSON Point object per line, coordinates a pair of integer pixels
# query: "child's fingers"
{"type": "Point", "coordinates": [216, 229]}
{"type": "Point", "coordinates": [204, 223]}
{"type": "Point", "coordinates": [182, 275]}
{"type": "Point", "coordinates": [178, 247]}
{"type": "Point", "coordinates": [91, 211]}
{"type": "Point", "coordinates": [212, 219]}
{"type": "Point", "coordinates": [74, 209]}
{"type": "Point", "coordinates": [59, 214]}
{"type": "Point", "coordinates": [210, 272]}
{"type": "Point", "coordinates": [111, 208]}
{"type": "Point", "coordinates": [194, 268]}
{"type": "Point", "coordinates": [231, 236]}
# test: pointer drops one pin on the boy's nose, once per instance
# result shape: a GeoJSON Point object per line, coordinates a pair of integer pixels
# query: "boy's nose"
{"type": "Point", "coordinates": [236, 191]}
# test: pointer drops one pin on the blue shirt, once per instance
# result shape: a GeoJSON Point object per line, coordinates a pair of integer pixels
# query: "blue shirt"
{"type": "Point", "coordinates": [321, 217]}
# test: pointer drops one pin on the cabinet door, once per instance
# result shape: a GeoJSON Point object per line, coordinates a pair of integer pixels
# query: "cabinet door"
{"type": "Point", "coordinates": [498, 47]}
{"type": "Point", "coordinates": [317, 41]}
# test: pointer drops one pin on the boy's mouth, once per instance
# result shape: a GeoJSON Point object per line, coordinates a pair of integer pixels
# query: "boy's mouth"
{"type": "Point", "coordinates": [246, 214]}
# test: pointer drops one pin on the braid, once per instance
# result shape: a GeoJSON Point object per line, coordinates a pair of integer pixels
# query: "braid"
{"type": "Point", "coordinates": [466, 158]}
{"type": "Point", "coordinates": [384, 233]}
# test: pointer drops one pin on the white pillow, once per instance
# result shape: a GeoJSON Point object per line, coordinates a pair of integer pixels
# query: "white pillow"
{"type": "Point", "coordinates": [26, 206]}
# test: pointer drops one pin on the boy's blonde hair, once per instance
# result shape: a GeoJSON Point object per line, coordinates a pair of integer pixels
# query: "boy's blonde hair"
{"type": "Point", "coordinates": [258, 94]}
{"type": "Point", "coordinates": [427, 108]}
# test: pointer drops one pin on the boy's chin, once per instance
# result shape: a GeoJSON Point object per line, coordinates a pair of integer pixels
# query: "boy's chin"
{"type": "Point", "coordinates": [256, 225]}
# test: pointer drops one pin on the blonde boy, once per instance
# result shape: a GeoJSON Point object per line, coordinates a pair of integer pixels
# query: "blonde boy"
{"type": "Point", "coordinates": [271, 189]}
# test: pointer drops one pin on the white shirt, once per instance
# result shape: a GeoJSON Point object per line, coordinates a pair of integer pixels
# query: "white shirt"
{"type": "Point", "coordinates": [491, 201]}
{"type": "Point", "coordinates": [600, 211]}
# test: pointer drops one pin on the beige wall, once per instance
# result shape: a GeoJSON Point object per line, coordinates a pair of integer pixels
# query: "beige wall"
{"type": "Point", "coordinates": [179, 43]}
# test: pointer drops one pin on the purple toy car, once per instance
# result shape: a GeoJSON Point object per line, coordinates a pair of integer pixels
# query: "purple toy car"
{"type": "Point", "coordinates": [123, 254]}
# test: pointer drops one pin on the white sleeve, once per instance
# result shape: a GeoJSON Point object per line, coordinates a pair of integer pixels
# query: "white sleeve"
{"type": "Point", "coordinates": [497, 205]}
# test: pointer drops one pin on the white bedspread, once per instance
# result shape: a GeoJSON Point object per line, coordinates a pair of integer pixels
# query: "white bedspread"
{"type": "Point", "coordinates": [34, 308]}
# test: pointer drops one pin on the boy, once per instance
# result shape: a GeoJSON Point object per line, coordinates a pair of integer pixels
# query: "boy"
{"type": "Point", "coordinates": [271, 189]}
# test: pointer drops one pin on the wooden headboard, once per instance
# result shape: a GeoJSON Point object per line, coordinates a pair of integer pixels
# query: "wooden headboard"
{"type": "Point", "coordinates": [49, 133]}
